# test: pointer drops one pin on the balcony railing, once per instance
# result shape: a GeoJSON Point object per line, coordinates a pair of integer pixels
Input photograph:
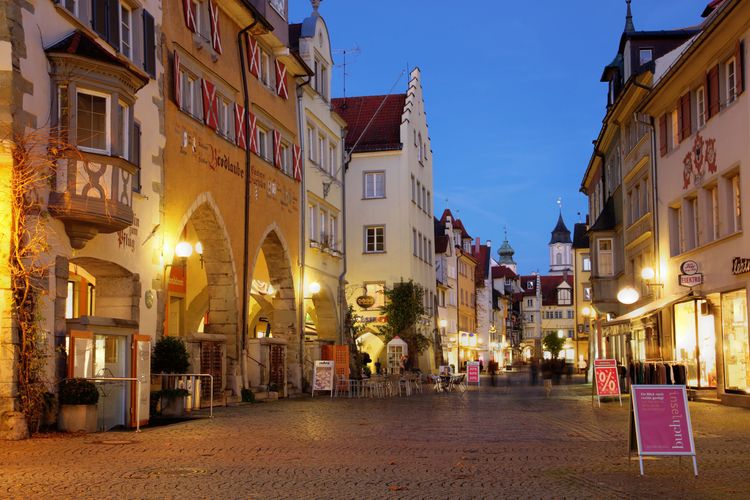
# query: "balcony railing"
{"type": "Point", "coordinates": [93, 194]}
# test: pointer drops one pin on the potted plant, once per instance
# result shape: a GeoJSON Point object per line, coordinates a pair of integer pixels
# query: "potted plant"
{"type": "Point", "coordinates": [173, 402]}
{"type": "Point", "coordinates": [171, 356]}
{"type": "Point", "coordinates": [78, 398]}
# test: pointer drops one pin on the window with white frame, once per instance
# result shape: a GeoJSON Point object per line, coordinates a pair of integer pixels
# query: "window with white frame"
{"type": "Point", "coordinates": [419, 244]}
{"type": "Point", "coordinates": [564, 297]}
{"type": "Point", "coordinates": [586, 262]}
{"type": "Point", "coordinates": [414, 242]}
{"type": "Point", "coordinates": [736, 203]}
{"type": "Point", "coordinates": [225, 126]}
{"type": "Point", "coordinates": [374, 185]}
{"type": "Point", "coordinates": [587, 292]}
{"type": "Point", "coordinates": [124, 120]}
{"type": "Point", "coordinates": [645, 55]}
{"type": "Point", "coordinates": [264, 144]}
{"type": "Point", "coordinates": [332, 163]}
{"type": "Point", "coordinates": [676, 232]}
{"type": "Point", "coordinates": [192, 99]}
{"type": "Point", "coordinates": [419, 194]}
{"type": "Point", "coordinates": [321, 153]}
{"type": "Point", "coordinates": [712, 195]}
{"type": "Point", "coordinates": [325, 237]}
{"type": "Point", "coordinates": [267, 75]}
{"type": "Point", "coordinates": [313, 222]}
{"type": "Point", "coordinates": [93, 121]}
{"type": "Point", "coordinates": [126, 31]}
{"type": "Point", "coordinates": [675, 135]}
{"type": "Point", "coordinates": [428, 204]}
{"type": "Point", "coordinates": [374, 239]}
{"type": "Point", "coordinates": [605, 257]}
{"type": "Point", "coordinates": [700, 104]}
{"type": "Point", "coordinates": [424, 198]}
{"type": "Point", "coordinates": [334, 232]}
{"type": "Point", "coordinates": [286, 158]}
{"type": "Point", "coordinates": [310, 143]}
{"type": "Point", "coordinates": [731, 79]}
{"type": "Point", "coordinates": [692, 235]}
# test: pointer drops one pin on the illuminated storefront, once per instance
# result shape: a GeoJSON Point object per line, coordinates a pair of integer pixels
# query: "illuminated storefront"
{"type": "Point", "coordinates": [695, 342]}
{"type": "Point", "coordinates": [735, 342]}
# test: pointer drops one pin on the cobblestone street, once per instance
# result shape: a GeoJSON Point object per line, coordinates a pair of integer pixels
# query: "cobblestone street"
{"type": "Point", "coordinates": [493, 442]}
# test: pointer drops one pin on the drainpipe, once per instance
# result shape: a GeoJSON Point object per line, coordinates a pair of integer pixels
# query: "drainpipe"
{"type": "Point", "coordinates": [301, 245]}
{"type": "Point", "coordinates": [343, 306]}
{"type": "Point", "coordinates": [246, 229]}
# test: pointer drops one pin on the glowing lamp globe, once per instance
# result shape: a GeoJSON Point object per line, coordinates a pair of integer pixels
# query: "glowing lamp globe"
{"type": "Point", "coordinates": [628, 295]}
{"type": "Point", "coordinates": [314, 287]}
{"type": "Point", "coordinates": [647, 273]}
{"type": "Point", "coordinates": [183, 250]}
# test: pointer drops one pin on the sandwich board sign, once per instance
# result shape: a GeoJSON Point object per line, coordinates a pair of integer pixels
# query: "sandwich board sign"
{"type": "Point", "coordinates": [607, 379]}
{"type": "Point", "coordinates": [472, 372]}
{"type": "Point", "coordinates": [323, 373]}
{"type": "Point", "coordinates": [660, 422]}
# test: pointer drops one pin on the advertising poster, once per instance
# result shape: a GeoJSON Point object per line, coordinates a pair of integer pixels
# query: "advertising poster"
{"type": "Point", "coordinates": [323, 376]}
{"type": "Point", "coordinates": [662, 421]}
{"type": "Point", "coordinates": [607, 380]}
{"type": "Point", "coordinates": [472, 372]}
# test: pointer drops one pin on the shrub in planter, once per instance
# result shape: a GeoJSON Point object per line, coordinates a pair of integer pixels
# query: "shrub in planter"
{"type": "Point", "coordinates": [78, 398]}
{"type": "Point", "coordinates": [170, 356]}
{"type": "Point", "coordinates": [173, 402]}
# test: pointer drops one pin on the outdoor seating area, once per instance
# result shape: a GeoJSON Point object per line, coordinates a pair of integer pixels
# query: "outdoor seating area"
{"type": "Point", "coordinates": [449, 383]}
{"type": "Point", "coordinates": [378, 386]}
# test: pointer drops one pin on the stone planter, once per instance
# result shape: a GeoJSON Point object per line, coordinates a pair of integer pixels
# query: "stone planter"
{"type": "Point", "coordinates": [77, 418]}
{"type": "Point", "coordinates": [173, 407]}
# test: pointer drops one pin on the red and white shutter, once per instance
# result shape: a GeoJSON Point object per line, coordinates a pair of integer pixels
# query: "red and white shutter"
{"type": "Point", "coordinates": [213, 11]}
{"type": "Point", "coordinates": [210, 104]}
{"type": "Point", "coordinates": [253, 55]}
{"type": "Point", "coordinates": [297, 162]}
{"type": "Point", "coordinates": [188, 9]}
{"type": "Point", "coordinates": [176, 74]}
{"type": "Point", "coordinates": [281, 90]}
{"type": "Point", "coordinates": [277, 148]}
{"type": "Point", "coordinates": [252, 130]}
{"type": "Point", "coordinates": [239, 126]}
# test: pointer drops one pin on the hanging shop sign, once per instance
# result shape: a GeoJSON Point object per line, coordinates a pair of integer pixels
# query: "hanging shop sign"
{"type": "Point", "coordinates": [607, 379]}
{"type": "Point", "coordinates": [472, 372]}
{"type": "Point", "coordinates": [689, 267]}
{"type": "Point", "coordinates": [661, 420]}
{"type": "Point", "coordinates": [691, 280]}
{"type": "Point", "coordinates": [365, 301]}
{"type": "Point", "coordinates": [740, 265]}
{"type": "Point", "coordinates": [323, 373]}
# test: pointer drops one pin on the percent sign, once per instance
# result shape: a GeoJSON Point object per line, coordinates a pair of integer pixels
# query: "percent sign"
{"type": "Point", "coordinates": [607, 379]}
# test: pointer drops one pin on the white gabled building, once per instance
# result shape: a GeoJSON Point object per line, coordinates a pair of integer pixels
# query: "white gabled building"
{"type": "Point", "coordinates": [389, 226]}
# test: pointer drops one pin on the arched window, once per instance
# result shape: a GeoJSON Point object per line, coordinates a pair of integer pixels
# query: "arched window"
{"type": "Point", "coordinates": [558, 259]}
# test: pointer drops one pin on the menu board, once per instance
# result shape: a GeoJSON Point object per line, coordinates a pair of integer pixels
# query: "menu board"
{"type": "Point", "coordinates": [323, 376]}
{"type": "Point", "coordinates": [472, 372]}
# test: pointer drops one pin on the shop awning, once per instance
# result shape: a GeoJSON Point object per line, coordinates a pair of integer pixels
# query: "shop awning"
{"type": "Point", "coordinates": [651, 307]}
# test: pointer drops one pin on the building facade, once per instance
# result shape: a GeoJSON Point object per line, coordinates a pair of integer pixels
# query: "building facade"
{"type": "Point", "coordinates": [323, 185]}
{"type": "Point", "coordinates": [389, 226]}
{"type": "Point", "coordinates": [82, 100]}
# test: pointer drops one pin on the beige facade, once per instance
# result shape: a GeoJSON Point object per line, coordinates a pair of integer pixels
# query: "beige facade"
{"type": "Point", "coordinates": [323, 183]}
{"type": "Point", "coordinates": [94, 88]}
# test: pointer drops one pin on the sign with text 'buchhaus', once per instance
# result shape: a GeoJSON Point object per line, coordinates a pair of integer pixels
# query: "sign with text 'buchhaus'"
{"type": "Point", "coordinates": [607, 379]}
{"type": "Point", "coordinates": [662, 422]}
{"type": "Point", "coordinates": [472, 372]}
{"type": "Point", "coordinates": [323, 376]}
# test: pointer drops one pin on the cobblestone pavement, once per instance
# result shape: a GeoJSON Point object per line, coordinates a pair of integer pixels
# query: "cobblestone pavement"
{"type": "Point", "coordinates": [493, 442]}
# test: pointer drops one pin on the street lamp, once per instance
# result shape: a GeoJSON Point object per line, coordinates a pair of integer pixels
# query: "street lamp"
{"type": "Point", "coordinates": [314, 287]}
{"type": "Point", "coordinates": [183, 250]}
{"type": "Point", "coordinates": [443, 323]}
{"type": "Point", "coordinates": [628, 295]}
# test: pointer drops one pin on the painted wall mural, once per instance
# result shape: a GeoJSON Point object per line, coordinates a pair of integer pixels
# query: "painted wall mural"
{"type": "Point", "coordinates": [700, 159]}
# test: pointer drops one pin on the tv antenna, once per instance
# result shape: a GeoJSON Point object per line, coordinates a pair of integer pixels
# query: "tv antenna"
{"type": "Point", "coordinates": [352, 51]}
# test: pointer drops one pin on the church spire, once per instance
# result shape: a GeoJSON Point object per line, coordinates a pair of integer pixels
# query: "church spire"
{"type": "Point", "coordinates": [629, 26]}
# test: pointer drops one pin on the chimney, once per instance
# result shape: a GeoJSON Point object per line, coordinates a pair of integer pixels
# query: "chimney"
{"type": "Point", "coordinates": [476, 247]}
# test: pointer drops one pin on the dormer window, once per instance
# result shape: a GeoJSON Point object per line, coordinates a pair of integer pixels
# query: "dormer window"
{"type": "Point", "coordinates": [645, 55]}
{"type": "Point", "coordinates": [529, 285]}
{"type": "Point", "coordinates": [564, 297]}
{"type": "Point", "coordinates": [279, 6]}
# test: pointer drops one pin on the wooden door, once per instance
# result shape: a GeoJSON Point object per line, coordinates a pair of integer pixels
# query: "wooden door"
{"type": "Point", "coordinates": [277, 363]}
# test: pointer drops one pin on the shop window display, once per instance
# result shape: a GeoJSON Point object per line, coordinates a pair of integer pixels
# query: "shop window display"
{"type": "Point", "coordinates": [695, 342]}
{"type": "Point", "coordinates": [735, 332]}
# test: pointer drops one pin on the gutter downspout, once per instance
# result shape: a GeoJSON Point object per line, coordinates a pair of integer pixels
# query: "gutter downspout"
{"type": "Point", "coordinates": [246, 213]}
{"type": "Point", "coordinates": [301, 246]}
{"type": "Point", "coordinates": [343, 306]}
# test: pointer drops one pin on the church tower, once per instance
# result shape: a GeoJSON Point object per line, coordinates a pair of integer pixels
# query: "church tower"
{"type": "Point", "coordinates": [560, 249]}
{"type": "Point", "coordinates": [505, 252]}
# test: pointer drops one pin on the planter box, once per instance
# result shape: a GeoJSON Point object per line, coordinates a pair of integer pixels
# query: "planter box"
{"type": "Point", "coordinates": [173, 407]}
{"type": "Point", "coordinates": [77, 418]}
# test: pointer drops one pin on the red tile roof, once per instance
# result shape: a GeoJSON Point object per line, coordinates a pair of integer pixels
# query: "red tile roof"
{"type": "Point", "coordinates": [549, 287]}
{"type": "Point", "coordinates": [384, 133]}
{"type": "Point", "coordinates": [441, 243]}
{"type": "Point", "coordinates": [503, 272]}
{"type": "Point", "coordinates": [483, 263]}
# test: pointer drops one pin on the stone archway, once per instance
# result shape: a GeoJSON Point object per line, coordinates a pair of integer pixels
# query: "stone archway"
{"type": "Point", "coordinates": [373, 345]}
{"type": "Point", "coordinates": [220, 298]}
{"type": "Point", "coordinates": [283, 318]}
{"type": "Point", "coordinates": [326, 318]}
{"type": "Point", "coordinates": [118, 291]}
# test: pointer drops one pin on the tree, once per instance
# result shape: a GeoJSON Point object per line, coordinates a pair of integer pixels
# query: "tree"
{"type": "Point", "coordinates": [403, 308]}
{"type": "Point", "coordinates": [553, 343]}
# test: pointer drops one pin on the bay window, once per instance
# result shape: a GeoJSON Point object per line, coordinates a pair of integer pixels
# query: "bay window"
{"type": "Point", "coordinates": [93, 121]}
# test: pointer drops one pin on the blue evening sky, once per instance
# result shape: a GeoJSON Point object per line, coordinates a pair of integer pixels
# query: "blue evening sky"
{"type": "Point", "coordinates": [512, 95]}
